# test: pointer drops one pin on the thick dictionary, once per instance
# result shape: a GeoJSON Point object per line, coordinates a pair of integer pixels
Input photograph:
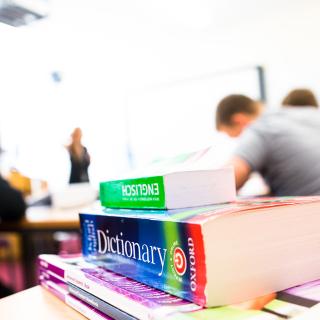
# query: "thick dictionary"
{"type": "Point", "coordinates": [215, 255]}
{"type": "Point", "coordinates": [170, 191]}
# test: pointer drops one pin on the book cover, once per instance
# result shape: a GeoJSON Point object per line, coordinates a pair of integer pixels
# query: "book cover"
{"type": "Point", "coordinates": [146, 189]}
{"type": "Point", "coordinates": [99, 304]}
{"type": "Point", "coordinates": [67, 292]}
{"type": "Point", "coordinates": [137, 299]}
{"type": "Point", "coordinates": [148, 192]}
{"type": "Point", "coordinates": [125, 294]}
{"type": "Point", "coordinates": [166, 249]}
{"type": "Point", "coordinates": [266, 307]}
{"type": "Point", "coordinates": [164, 254]}
{"type": "Point", "coordinates": [307, 294]}
{"type": "Point", "coordinates": [60, 288]}
{"type": "Point", "coordinates": [57, 265]}
{"type": "Point", "coordinates": [270, 307]}
{"type": "Point", "coordinates": [61, 292]}
{"type": "Point", "coordinates": [47, 275]}
{"type": "Point", "coordinates": [77, 299]}
{"type": "Point", "coordinates": [173, 190]}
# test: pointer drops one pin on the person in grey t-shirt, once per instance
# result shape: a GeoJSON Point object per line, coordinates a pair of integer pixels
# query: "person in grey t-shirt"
{"type": "Point", "coordinates": [283, 145]}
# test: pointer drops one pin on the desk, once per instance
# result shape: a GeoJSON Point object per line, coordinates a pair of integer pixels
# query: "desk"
{"type": "Point", "coordinates": [43, 219]}
{"type": "Point", "coordinates": [37, 220]}
{"type": "Point", "coordinates": [36, 304]}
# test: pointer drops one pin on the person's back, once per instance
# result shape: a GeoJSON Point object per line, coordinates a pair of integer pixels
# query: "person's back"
{"type": "Point", "coordinates": [12, 208]}
{"type": "Point", "coordinates": [12, 204]}
{"type": "Point", "coordinates": [284, 146]}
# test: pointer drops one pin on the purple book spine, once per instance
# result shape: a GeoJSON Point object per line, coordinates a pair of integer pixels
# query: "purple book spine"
{"type": "Point", "coordinates": [47, 275]}
{"type": "Point", "coordinates": [46, 264]}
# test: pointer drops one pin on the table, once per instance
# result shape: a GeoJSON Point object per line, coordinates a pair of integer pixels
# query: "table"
{"type": "Point", "coordinates": [45, 218]}
{"type": "Point", "coordinates": [37, 220]}
{"type": "Point", "coordinates": [36, 304]}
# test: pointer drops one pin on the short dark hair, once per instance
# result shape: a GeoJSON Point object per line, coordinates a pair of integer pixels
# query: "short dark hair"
{"type": "Point", "coordinates": [300, 98]}
{"type": "Point", "coordinates": [232, 104]}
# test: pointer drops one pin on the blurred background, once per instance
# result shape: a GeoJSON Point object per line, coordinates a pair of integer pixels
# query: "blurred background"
{"type": "Point", "coordinates": [142, 78]}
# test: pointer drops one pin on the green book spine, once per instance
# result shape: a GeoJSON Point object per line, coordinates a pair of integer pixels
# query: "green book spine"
{"type": "Point", "coordinates": [145, 193]}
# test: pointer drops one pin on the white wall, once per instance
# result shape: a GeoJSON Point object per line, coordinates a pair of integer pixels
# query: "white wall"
{"type": "Point", "coordinates": [106, 49]}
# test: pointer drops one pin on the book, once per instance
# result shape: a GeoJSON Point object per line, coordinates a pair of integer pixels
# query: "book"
{"type": "Point", "coordinates": [269, 307]}
{"type": "Point", "coordinates": [65, 291]}
{"type": "Point", "coordinates": [272, 306]}
{"type": "Point", "coordinates": [91, 306]}
{"type": "Point", "coordinates": [170, 190]}
{"type": "Point", "coordinates": [61, 292]}
{"type": "Point", "coordinates": [293, 303]}
{"type": "Point", "coordinates": [129, 296]}
{"type": "Point", "coordinates": [215, 255]}
{"type": "Point", "coordinates": [77, 300]}
{"type": "Point", "coordinates": [57, 265]}
{"type": "Point", "coordinates": [307, 294]}
{"type": "Point", "coordinates": [99, 304]}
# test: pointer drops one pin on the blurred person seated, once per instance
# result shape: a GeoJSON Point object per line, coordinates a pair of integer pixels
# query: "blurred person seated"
{"type": "Point", "coordinates": [12, 208]}
{"type": "Point", "coordinates": [300, 98]}
{"type": "Point", "coordinates": [12, 204]}
{"type": "Point", "coordinates": [282, 145]}
{"type": "Point", "coordinates": [79, 157]}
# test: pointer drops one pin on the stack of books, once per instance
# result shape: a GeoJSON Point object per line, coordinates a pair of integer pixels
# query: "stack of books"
{"type": "Point", "coordinates": [180, 246]}
{"type": "Point", "coordinates": [101, 294]}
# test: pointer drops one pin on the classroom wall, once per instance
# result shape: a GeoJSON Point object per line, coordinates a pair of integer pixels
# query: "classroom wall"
{"type": "Point", "coordinates": [105, 49]}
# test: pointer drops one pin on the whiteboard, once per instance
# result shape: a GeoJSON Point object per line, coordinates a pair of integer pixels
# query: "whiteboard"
{"type": "Point", "coordinates": [176, 117]}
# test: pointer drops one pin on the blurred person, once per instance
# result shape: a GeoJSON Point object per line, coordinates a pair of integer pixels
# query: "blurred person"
{"type": "Point", "coordinates": [12, 208]}
{"type": "Point", "coordinates": [12, 204]}
{"type": "Point", "coordinates": [79, 157]}
{"type": "Point", "coordinates": [300, 98]}
{"type": "Point", "coordinates": [282, 145]}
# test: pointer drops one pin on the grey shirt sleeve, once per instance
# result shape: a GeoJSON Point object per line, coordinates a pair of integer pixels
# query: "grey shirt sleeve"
{"type": "Point", "coordinates": [253, 149]}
